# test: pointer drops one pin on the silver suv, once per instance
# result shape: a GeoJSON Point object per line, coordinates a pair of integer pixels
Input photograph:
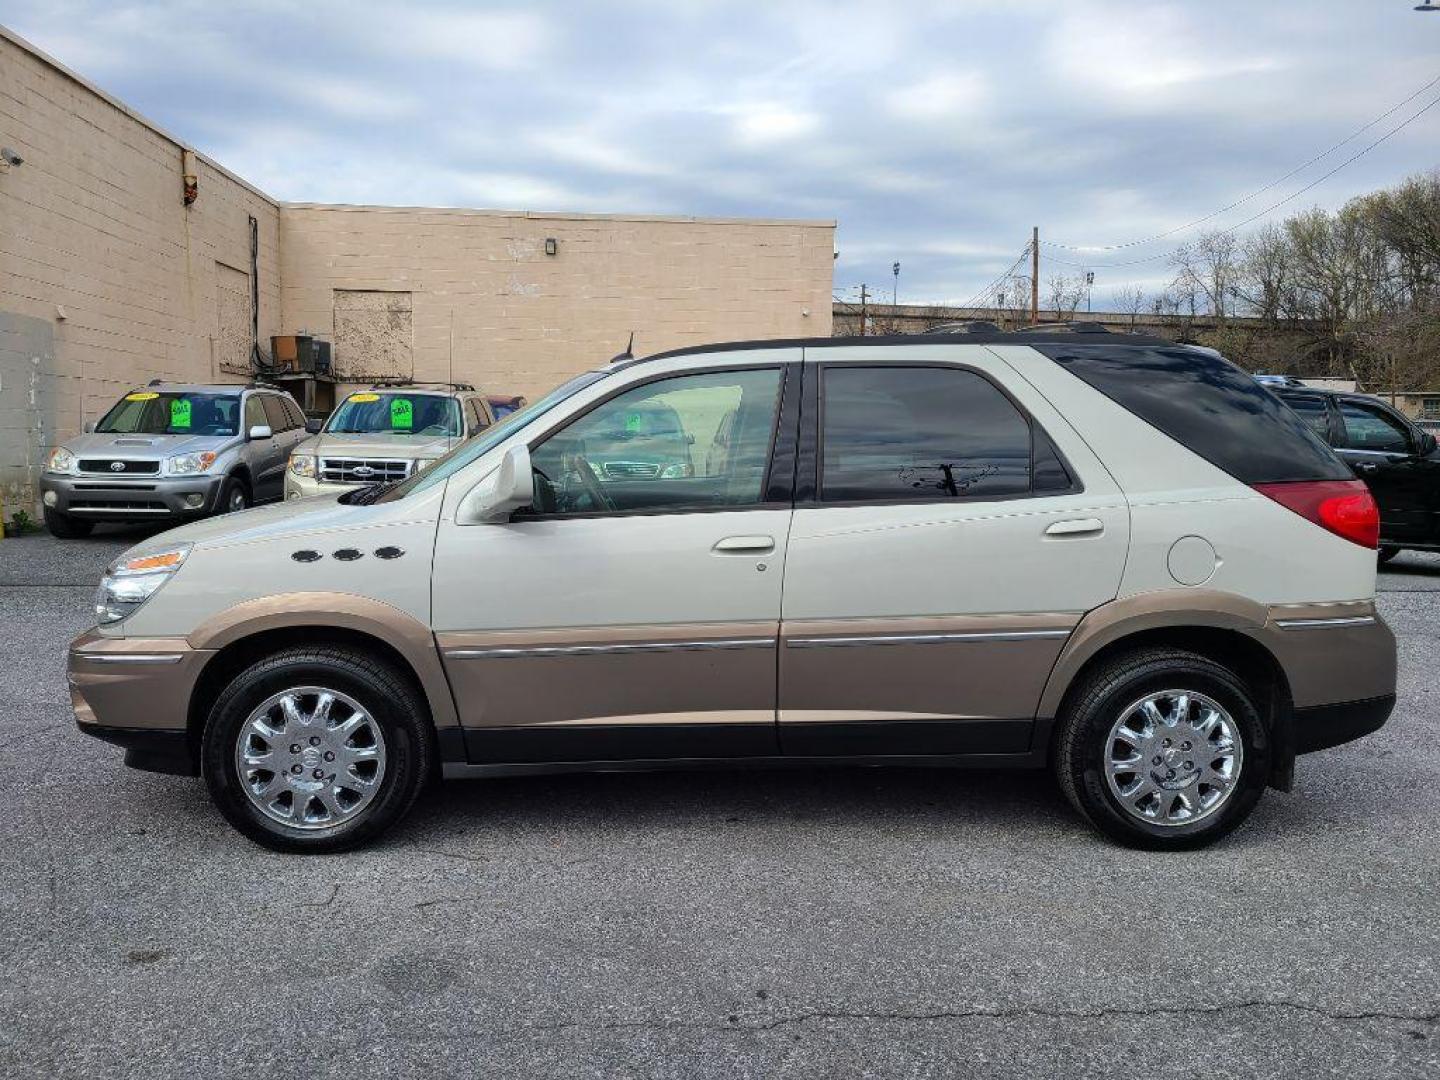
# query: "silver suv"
{"type": "Point", "coordinates": [384, 434]}
{"type": "Point", "coordinates": [170, 451]}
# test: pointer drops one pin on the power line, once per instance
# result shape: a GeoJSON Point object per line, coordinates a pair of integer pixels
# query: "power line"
{"type": "Point", "coordinates": [1261, 190]}
{"type": "Point", "coordinates": [973, 301]}
{"type": "Point", "coordinates": [1276, 205]}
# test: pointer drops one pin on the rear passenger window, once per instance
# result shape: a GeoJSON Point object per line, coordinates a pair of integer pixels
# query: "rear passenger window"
{"type": "Point", "coordinates": [1208, 405]}
{"type": "Point", "coordinates": [1312, 410]}
{"type": "Point", "coordinates": [1372, 429]}
{"type": "Point", "coordinates": [926, 433]}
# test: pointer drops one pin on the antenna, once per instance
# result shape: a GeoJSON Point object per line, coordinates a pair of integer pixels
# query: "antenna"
{"type": "Point", "coordinates": [629, 353]}
{"type": "Point", "coordinates": [450, 376]}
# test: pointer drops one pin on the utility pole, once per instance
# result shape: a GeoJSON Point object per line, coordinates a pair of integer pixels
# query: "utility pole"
{"type": "Point", "coordinates": [864, 318]}
{"type": "Point", "coordinates": [1035, 276]}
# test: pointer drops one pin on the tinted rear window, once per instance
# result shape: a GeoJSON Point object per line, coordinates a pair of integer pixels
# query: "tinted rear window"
{"type": "Point", "coordinates": [1208, 405]}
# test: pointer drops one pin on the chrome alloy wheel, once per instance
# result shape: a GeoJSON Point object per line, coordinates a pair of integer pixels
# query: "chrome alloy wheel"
{"type": "Point", "coordinates": [1173, 757]}
{"type": "Point", "coordinates": [310, 758]}
{"type": "Point", "coordinates": [236, 501]}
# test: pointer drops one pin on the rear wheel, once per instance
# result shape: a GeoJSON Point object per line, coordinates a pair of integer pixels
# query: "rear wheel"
{"type": "Point", "coordinates": [316, 749]}
{"type": "Point", "coordinates": [1386, 553]}
{"type": "Point", "coordinates": [66, 527]}
{"type": "Point", "coordinates": [1163, 749]}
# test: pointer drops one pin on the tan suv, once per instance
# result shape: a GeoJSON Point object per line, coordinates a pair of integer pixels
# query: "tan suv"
{"type": "Point", "coordinates": [1110, 556]}
{"type": "Point", "coordinates": [384, 434]}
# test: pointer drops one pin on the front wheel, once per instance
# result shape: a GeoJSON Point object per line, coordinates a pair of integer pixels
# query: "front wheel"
{"type": "Point", "coordinates": [234, 496]}
{"type": "Point", "coordinates": [316, 749]}
{"type": "Point", "coordinates": [65, 527]}
{"type": "Point", "coordinates": [1163, 749]}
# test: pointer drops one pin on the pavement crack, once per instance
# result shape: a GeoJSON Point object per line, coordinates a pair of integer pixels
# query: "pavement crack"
{"type": "Point", "coordinates": [334, 892]}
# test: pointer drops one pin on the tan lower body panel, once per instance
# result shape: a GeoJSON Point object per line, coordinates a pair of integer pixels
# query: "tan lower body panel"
{"type": "Point", "coordinates": [963, 667]}
{"type": "Point", "coordinates": [685, 674]}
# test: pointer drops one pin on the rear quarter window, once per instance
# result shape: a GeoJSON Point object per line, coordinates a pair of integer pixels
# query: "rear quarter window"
{"type": "Point", "coordinates": [1208, 405]}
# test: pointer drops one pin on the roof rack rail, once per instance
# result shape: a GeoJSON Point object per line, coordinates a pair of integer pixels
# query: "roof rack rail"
{"type": "Point", "coordinates": [965, 326]}
{"type": "Point", "coordinates": [379, 384]}
{"type": "Point", "coordinates": [1078, 326]}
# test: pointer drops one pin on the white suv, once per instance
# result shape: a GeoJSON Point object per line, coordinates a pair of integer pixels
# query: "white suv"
{"type": "Point", "coordinates": [1111, 556]}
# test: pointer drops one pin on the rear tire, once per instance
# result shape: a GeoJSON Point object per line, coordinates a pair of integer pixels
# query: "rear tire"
{"type": "Point", "coordinates": [1385, 554]}
{"type": "Point", "coordinates": [291, 777]}
{"type": "Point", "coordinates": [66, 527]}
{"type": "Point", "coordinates": [1177, 798]}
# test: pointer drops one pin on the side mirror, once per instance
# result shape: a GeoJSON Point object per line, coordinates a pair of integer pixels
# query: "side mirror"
{"type": "Point", "coordinates": [313, 426]}
{"type": "Point", "coordinates": [260, 431]}
{"type": "Point", "coordinates": [1427, 444]}
{"type": "Point", "coordinates": [89, 427]}
{"type": "Point", "coordinates": [509, 488]}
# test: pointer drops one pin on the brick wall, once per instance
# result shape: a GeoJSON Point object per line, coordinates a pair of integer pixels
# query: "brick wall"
{"type": "Point", "coordinates": [524, 320]}
{"type": "Point", "coordinates": [93, 226]}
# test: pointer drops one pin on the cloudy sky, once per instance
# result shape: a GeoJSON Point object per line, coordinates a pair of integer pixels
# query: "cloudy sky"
{"type": "Point", "coordinates": [935, 133]}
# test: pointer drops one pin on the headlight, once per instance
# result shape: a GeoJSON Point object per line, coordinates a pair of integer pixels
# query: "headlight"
{"type": "Point", "coordinates": [677, 471]}
{"type": "Point", "coordinates": [61, 461]}
{"type": "Point", "coordinates": [302, 464]}
{"type": "Point", "coordinates": [424, 463]}
{"type": "Point", "coordinates": [128, 583]}
{"type": "Point", "coordinates": [189, 463]}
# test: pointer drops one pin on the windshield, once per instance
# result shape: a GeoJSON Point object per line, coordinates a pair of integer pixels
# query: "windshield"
{"type": "Point", "coordinates": [401, 414]}
{"type": "Point", "coordinates": [159, 412]}
{"type": "Point", "coordinates": [496, 433]}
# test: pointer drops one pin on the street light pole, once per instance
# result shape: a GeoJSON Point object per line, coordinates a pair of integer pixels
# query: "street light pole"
{"type": "Point", "coordinates": [895, 288]}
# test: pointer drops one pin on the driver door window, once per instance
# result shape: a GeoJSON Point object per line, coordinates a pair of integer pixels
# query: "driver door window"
{"type": "Point", "coordinates": [691, 442]}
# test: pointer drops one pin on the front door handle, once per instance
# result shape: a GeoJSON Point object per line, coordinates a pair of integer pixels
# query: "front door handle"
{"type": "Point", "coordinates": [1366, 466]}
{"type": "Point", "coordinates": [745, 545]}
{"type": "Point", "coordinates": [1077, 527]}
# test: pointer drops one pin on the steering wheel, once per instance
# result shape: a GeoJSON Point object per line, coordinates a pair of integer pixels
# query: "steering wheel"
{"type": "Point", "coordinates": [591, 480]}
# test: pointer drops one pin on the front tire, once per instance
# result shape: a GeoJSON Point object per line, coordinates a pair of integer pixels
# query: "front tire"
{"type": "Point", "coordinates": [65, 527]}
{"type": "Point", "coordinates": [1162, 749]}
{"type": "Point", "coordinates": [234, 496]}
{"type": "Point", "coordinates": [317, 749]}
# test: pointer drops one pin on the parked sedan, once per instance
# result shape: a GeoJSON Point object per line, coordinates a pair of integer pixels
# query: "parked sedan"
{"type": "Point", "coordinates": [1399, 461]}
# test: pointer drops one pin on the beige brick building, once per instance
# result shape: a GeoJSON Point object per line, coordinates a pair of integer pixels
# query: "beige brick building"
{"type": "Point", "coordinates": [108, 279]}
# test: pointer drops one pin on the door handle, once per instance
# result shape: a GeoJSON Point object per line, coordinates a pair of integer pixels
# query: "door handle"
{"type": "Point", "coordinates": [1366, 466]}
{"type": "Point", "coordinates": [745, 545]}
{"type": "Point", "coordinates": [1077, 527]}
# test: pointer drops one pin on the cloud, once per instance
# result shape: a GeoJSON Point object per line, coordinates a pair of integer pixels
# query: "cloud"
{"type": "Point", "coordinates": [936, 131]}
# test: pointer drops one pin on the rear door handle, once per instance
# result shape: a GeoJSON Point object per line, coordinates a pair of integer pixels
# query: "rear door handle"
{"type": "Point", "coordinates": [745, 545]}
{"type": "Point", "coordinates": [1078, 527]}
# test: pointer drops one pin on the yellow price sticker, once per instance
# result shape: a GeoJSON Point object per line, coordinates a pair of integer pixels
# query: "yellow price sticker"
{"type": "Point", "coordinates": [364, 397]}
{"type": "Point", "coordinates": [141, 396]}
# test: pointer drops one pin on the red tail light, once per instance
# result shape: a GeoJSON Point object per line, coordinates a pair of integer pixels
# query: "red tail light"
{"type": "Point", "coordinates": [1345, 507]}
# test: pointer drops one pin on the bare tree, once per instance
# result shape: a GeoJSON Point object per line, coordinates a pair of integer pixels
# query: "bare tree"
{"type": "Point", "coordinates": [1065, 294]}
{"type": "Point", "coordinates": [1129, 300]}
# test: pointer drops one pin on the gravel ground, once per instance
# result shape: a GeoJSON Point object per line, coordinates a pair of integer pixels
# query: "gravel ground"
{"type": "Point", "coordinates": [839, 923]}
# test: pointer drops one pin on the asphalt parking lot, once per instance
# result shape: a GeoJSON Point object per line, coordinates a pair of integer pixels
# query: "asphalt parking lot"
{"type": "Point", "coordinates": [840, 923]}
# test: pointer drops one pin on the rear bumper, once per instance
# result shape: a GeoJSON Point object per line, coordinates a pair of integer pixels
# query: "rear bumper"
{"type": "Point", "coordinates": [136, 498]}
{"type": "Point", "coordinates": [1323, 726]}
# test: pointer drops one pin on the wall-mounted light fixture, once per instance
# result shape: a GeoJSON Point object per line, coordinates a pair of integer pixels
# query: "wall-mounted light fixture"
{"type": "Point", "coordinates": [551, 245]}
{"type": "Point", "coordinates": [9, 157]}
{"type": "Point", "coordinates": [189, 177]}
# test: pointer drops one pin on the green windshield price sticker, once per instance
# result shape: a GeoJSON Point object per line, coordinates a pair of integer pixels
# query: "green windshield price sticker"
{"type": "Point", "coordinates": [402, 413]}
{"type": "Point", "coordinates": [633, 423]}
{"type": "Point", "coordinates": [180, 413]}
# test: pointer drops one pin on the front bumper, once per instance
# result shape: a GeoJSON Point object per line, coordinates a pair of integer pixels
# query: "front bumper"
{"type": "Point", "coordinates": [302, 487]}
{"type": "Point", "coordinates": [135, 692]}
{"type": "Point", "coordinates": [135, 498]}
